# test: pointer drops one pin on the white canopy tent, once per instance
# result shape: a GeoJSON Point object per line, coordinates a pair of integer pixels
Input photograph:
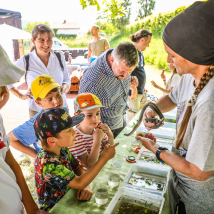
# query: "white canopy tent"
{"type": "Point", "coordinates": [7, 34]}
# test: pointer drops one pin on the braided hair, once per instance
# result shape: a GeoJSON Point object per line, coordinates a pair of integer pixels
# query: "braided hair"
{"type": "Point", "coordinates": [203, 82]}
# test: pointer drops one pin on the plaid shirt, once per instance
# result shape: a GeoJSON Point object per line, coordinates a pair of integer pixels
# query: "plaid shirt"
{"type": "Point", "coordinates": [100, 80]}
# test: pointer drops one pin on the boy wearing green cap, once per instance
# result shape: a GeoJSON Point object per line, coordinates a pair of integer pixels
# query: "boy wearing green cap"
{"type": "Point", "coordinates": [47, 94]}
{"type": "Point", "coordinates": [56, 169]}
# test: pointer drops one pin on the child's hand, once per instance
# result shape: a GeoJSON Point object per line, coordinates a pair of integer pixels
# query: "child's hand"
{"type": "Point", "coordinates": [105, 129]}
{"type": "Point", "coordinates": [109, 151]}
{"type": "Point", "coordinates": [84, 194]}
{"type": "Point", "coordinates": [98, 134]}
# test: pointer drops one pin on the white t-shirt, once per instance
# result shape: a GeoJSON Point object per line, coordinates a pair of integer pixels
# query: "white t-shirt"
{"type": "Point", "coordinates": [10, 192]}
{"type": "Point", "coordinates": [198, 141]}
{"type": "Point", "coordinates": [37, 67]}
{"type": "Point", "coordinates": [171, 84]}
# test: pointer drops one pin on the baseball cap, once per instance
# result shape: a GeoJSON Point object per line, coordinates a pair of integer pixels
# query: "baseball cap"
{"type": "Point", "coordinates": [9, 73]}
{"type": "Point", "coordinates": [42, 85]}
{"type": "Point", "coordinates": [87, 101]}
{"type": "Point", "coordinates": [54, 120]}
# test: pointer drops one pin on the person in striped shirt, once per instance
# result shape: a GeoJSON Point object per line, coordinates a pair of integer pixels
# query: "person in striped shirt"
{"type": "Point", "coordinates": [91, 134]}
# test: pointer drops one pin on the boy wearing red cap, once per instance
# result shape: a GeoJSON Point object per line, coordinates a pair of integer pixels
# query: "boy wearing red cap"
{"type": "Point", "coordinates": [91, 134]}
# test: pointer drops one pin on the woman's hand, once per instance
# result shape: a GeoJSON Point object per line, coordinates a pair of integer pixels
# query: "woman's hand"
{"type": "Point", "coordinates": [64, 88]}
{"type": "Point", "coordinates": [155, 84]}
{"type": "Point", "coordinates": [163, 77]}
{"type": "Point", "coordinates": [26, 96]}
{"type": "Point", "coordinates": [150, 113]}
{"type": "Point", "coordinates": [149, 142]}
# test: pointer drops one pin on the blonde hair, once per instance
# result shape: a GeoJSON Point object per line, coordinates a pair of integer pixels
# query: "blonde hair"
{"type": "Point", "coordinates": [203, 82]}
{"type": "Point", "coordinates": [41, 29]}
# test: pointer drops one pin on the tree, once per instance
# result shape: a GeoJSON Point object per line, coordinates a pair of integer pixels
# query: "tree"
{"type": "Point", "coordinates": [29, 27]}
{"type": "Point", "coordinates": [118, 18]}
{"type": "Point", "coordinates": [146, 7]}
{"type": "Point", "coordinates": [119, 22]}
{"type": "Point", "coordinates": [111, 8]}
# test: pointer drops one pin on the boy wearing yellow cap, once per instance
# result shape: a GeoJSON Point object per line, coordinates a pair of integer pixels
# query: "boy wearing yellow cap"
{"type": "Point", "coordinates": [47, 94]}
{"type": "Point", "coordinates": [91, 134]}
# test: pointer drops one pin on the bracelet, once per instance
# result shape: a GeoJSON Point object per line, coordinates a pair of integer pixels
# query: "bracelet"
{"type": "Point", "coordinates": [164, 80]}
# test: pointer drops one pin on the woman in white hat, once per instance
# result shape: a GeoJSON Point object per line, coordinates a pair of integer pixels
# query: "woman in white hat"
{"type": "Point", "coordinates": [14, 192]}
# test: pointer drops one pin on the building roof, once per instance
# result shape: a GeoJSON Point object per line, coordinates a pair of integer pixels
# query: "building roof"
{"type": "Point", "coordinates": [66, 25]}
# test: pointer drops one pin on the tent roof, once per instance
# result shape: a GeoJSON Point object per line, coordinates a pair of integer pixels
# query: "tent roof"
{"type": "Point", "coordinates": [7, 31]}
{"type": "Point", "coordinates": [6, 14]}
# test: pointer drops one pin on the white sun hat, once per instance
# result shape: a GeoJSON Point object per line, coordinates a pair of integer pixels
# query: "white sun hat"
{"type": "Point", "coordinates": [9, 73]}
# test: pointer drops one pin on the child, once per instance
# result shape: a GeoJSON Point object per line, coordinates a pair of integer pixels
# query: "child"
{"type": "Point", "coordinates": [47, 94]}
{"type": "Point", "coordinates": [55, 167]}
{"type": "Point", "coordinates": [14, 192]}
{"type": "Point", "coordinates": [91, 134]}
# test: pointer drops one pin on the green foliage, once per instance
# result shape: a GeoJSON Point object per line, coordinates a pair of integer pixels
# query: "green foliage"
{"type": "Point", "coordinates": [86, 3]}
{"type": "Point", "coordinates": [55, 30]}
{"type": "Point", "coordinates": [107, 28]}
{"type": "Point", "coordinates": [112, 8]}
{"type": "Point", "coordinates": [117, 12]}
{"type": "Point", "coordinates": [29, 26]}
{"type": "Point", "coordinates": [80, 42]}
{"type": "Point", "coordinates": [65, 36]}
{"type": "Point", "coordinates": [146, 7]}
{"type": "Point", "coordinates": [155, 24]}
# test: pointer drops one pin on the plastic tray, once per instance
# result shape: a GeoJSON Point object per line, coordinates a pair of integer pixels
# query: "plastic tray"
{"type": "Point", "coordinates": [151, 171]}
{"type": "Point", "coordinates": [166, 133]}
{"type": "Point", "coordinates": [125, 194]}
{"type": "Point", "coordinates": [150, 155]}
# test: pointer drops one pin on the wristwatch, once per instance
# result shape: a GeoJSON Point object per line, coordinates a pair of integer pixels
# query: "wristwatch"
{"type": "Point", "coordinates": [159, 150]}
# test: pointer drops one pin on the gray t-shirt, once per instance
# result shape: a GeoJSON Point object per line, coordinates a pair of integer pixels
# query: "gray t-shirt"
{"type": "Point", "coordinates": [198, 141]}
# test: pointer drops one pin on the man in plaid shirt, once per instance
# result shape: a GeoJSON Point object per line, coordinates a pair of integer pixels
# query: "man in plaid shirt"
{"type": "Point", "coordinates": [108, 77]}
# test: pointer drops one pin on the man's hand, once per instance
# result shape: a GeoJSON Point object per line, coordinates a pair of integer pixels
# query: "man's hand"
{"type": "Point", "coordinates": [84, 194]}
{"type": "Point", "coordinates": [105, 128]}
{"type": "Point", "coordinates": [98, 134]}
{"type": "Point", "coordinates": [149, 142]}
{"type": "Point", "coordinates": [134, 81]}
{"type": "Point", "coordinates": [155, 84]}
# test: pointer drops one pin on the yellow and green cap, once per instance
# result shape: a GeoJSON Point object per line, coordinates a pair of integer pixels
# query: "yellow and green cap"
{"type": "Point", "coordinates": [42, 85]}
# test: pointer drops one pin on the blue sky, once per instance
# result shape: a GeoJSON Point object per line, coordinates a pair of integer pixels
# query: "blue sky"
{"type": "Point", "coordinates": [70, 10]}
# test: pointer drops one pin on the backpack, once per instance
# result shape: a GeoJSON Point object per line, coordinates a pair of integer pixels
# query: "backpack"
{"type": "Point", "coordinates": [27, 57]}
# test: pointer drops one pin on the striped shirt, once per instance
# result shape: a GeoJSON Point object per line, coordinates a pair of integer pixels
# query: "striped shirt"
{"type": "Point", "coordinates": [100, 80]}
{"type": "Point", "coordinates": [84, 143]}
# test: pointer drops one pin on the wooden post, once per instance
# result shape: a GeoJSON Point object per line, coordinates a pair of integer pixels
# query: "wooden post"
{"type": "Point", "coordinates": [21, 48]}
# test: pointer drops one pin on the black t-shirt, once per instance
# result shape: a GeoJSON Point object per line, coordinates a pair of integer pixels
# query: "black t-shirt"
{"type": "Point", "coordinates": [140, 73]}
